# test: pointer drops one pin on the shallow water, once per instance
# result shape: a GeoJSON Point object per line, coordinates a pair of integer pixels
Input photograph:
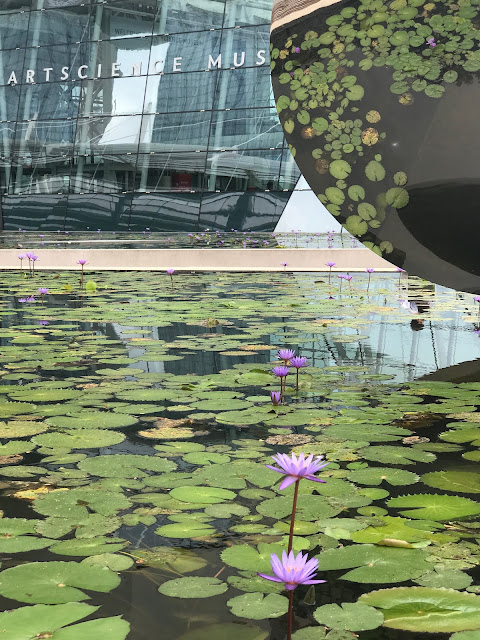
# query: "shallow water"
{"type": "Point", "coordinates": [113, 366]}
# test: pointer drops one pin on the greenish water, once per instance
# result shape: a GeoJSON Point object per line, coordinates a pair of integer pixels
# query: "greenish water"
{"type": "Point", "coordinates": [135, 424]}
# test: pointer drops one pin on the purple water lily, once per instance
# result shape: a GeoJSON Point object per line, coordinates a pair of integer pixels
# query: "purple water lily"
{"type": "Point", "coordinates": [170, 271]}
{"type": "Point", "coordinates": [44, 323]}
{"type": "Point", "coordinates": [293, 570]}
{"type": "Point", "coordinates": [281, 372]}
{"type": "Point", "coordinates": [431, 42]}
{"type": "Point", "coordinates": [21, 300]}
{"type": "Point", "coordinates": [82, 261]}
{"type": "Point", "coordinates": [42, 291]}
{"type": "Point", "coordinates": [330, 264]}
{"type": "Point", "coordinates": [297, 468]}
{"type": "Point", "coordinates": [285, 354]}
{"type": "Point", "coordinates": [370, 270]}
{"type": "Point", "coordinates": [299, 362]}
{"type": "Point", "coordinates": [276, 397]}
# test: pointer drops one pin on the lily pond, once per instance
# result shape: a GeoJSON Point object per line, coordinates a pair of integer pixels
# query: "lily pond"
{"type": "Point", "coordinates": [136, 423]}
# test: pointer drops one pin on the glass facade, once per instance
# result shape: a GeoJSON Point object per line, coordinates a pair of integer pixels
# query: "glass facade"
{"type": "Point", "coordinates": [127, 114]}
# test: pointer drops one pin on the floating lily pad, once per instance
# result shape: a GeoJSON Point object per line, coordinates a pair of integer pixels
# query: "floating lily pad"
{"type": "Point", "coordinates": [208, 495]}
{"type": "Point", "coordinates": [125, 466]}
{"type": "Point", "coordinates": [55, 582]}
{"type": "Point", "coordinates": [456, 481]}
{"type": "Point", "coordinates": [88, 546]}
{"type": "Point", "coordinates": [41, 619]}
{"type": "Point", "coordinates": [93, 420]}
{"type": "Point", "coordinates": [226, 630]}
{"type": "Point", "coordinates": [186, 529]}
{"type": "Point", "coordinates": [424, 609]}
{"type": "Point", "coordinates": [193, 587]}
{"type": "Point", "coordinates": [375, 564]}
{"type": "Point", "coordinates": [171, 559]}
{"type": "Point", "coordinates": [353, 616]}
{"type": "Point", "coordinates": [435, 506]}
{"type": "Point", "coordinates": [377, 475]}
{"type": "Point", "coordinates": [80, 439]}
{"type": "Point", "coordinates": [257, 607]}
{"type": "Point", "coordinates": [387, 454]}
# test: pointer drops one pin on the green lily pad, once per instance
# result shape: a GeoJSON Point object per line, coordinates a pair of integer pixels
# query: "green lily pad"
{"type": "Point", "coordinates": [456, 481]}
{"type": "Point", "coordinates": [113, 628]}
{"type": "Point", "coordinates": [92, 420]}
{"type": "Point", "coordinates": [193, 587]}
{"type": "Point", "coordinates": [125, 466]}
{"type": "Point", "coordinates": [247, 558]}
{"type": "Point", "coordinates": [377, 475]}
{"type": "Point", "coordinates": [186, 529]}
{"type": "Point", "coordinates": [424, 609]}
{"type": "Point", "coordinates": [308, 508]}
{"type": "Point", "coordinates": [55, 582]}
{"type": "Point", "coordinates": [255, 584]}
{"type": "Point", "coordinates": [80, 439]}
{"type": "Point", "coordinates": [29, 622]}
{"type": "Point", "coordinates": [88, 546]}
{"type": "Point", "coordinates": [114, 561]}
{"type": "Point", "coordinates": [435, 507]}
{"type": "Point", "coordinates": [375, 564]}
{"type": "Point", "coordinates": [257, 607]}
{"type": "Point", "coordinates": [171, 559]}
{"type": "Point", "coordinates": [353, 616]}
{"type": "Point", "coordinates": [202, 495]}
{"type": "Point", "coordinates": [446, 578]}
{"type": "Point", "coordinates": [74, 503]}
{"type": "Point", "coordinates": [396, 529]}
{"type": "Point", "coordinates": [387, 454]}
{"type": "Point", "coordinates": [21, 429]}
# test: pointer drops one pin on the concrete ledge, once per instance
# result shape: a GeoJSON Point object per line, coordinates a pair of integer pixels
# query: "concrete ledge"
{"type": "Point", "coordinates": [198, 259]}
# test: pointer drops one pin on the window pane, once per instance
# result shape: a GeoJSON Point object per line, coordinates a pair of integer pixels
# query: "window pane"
{"type": "Point", "coordinates": [70, 24]}
{"type": "Point", "coordinates": [34, 213]}
{"type": "Point", "coordinates": [104, 174]}
{"type": "Point", "coordinates": [110, 135]}
{"type": "Point", "coordinates": [13, 29]}
{"type": "Point", "coordinates": [243, 170]}
{"type": "Point", "coordinates": [289, 172]}
{"type": "Point", "coordinates": [9, 101]}
{"type": "Point", "coordinates": [256, 211]}
{"type": "Point", "coordinates": [126, 19]}
{"type": "Point", "coordinates": [248, 40]}
{"type": "Point", "coordinates": [190, 15]}
{"type": "Point", "coordinates": [53, 138]}
{"type": "Point", "coordinates": [244, 87]}
{"type": "Point", "coordinates": [169, 212]}
{"type": "Point", "coordinates": [112, 96]}
{"type": "Point", "coordinates": [48, 101]}
{"type": "Point", "coordinates": [180, 92]}
{"type": "Point", "coordinates": [98, 211]}
{"type": "Point", "coordinates": [252, 12]}
{"type": "Point", "coordinates": [185, 51]}
{"type": "Point", "coordinates": [170, 172]}
{"type": "Point", "coordinates": [175, 132]}
{"type": "Point", "coordinates": [42, 175]}
{"type": "Point", "coordinates": [246, 129]}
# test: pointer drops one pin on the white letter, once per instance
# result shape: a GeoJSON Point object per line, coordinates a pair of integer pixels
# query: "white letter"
{"type": "Point", "coordinates": [155, 68]}
{"type": "Point", "coordinates": [64, 75]}
{"type": "Point", "coordinates": [215, 63]}
{"type": "Point", "coordinates": [12, 79]}
{"type": "Point", "coordinates": [136, 69]}
{"type": "Point", "coordinates": [47, 73]}
{"type": "Point", "coordinates": [30, 76]}
{"type": "Point", "coordinates": [99, 71]}
{"type": "Point", "coordinates": [81, 75]}
{"type": "Point", "coordinates": [177, 64]}
{"type": "Point", "coordinates": [116, 70]}
{"type": "Point", "coordinates": [261, 57]}
{"type": "Point", "coordinates": [235, 61]}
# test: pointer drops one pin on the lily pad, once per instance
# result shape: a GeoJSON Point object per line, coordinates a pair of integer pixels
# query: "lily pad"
{"type": "Point", "coordinates": [55, 582]}
{"type": "Point", "coordinates": [257, 607]}
{"type": "Point", "coordinates": [387, 454]}
{"type": "Point", "coordinates": [456, 481]}
{"type": "Point", "coordinates": [353, 616]}
{"type": "Point", "coordinates": [88, 546]}
{"type": "Point", "coordinates": [435, 506]}
{"type": "Point", "coordinates": [377, 475]}
{"type": "Point", "coordinates": [80, 439]}
{"type": "Point", "coordinates": [375, 564]}
{"type": "Point", "coordinates": [193, 587]}
{"type": "Point", "coordinates": [226, 630]}
{"type": "Point", "coordinates": [202, 495]}
{"type": "Point", "coordinates": [424, 609]}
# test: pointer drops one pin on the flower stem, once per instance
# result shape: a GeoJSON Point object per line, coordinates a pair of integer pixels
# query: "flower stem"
{"type": "Point", "coordinates": [290, 615]}
{"type": "Point", "coordinates": [297, 379]}
{"type": "Point", "coordinates": [292, 519]}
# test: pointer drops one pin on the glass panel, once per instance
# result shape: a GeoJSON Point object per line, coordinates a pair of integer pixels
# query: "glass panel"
{"type": "Point", "coordinates": [72, 24]}
{"type": "Point", "coordinates": [12, 62]}
{"type": "Point", "coordinates": [111, 135]}
{"type": "Point", "coordinates": [53, 138]}
{"type": "Point", "coordinates": [243, 170]}
{"type": "Point", "coordinates": [252, 211]}
{"type": "Point", "coordinates": [180, 92]}
{"type": "Point", "coordinates": [194, 51]}
{"type": "Point", "coordinates": [175, 132]}
{"type": "Point", "coordinates": [189, 15]}
{"type": "Point", "coordinates": [246, 46]}
{"type": "Point", "coordinates": [98, 211]}
{"type": "Point", "coordinates": [245, 128]}
{"type": "Point", "coordinates": [13, 29]}
{"type": "Point", "coordinates": [9, 100]}
{"type": "Point", "coordinates": [253, 12]}
{"type": "Point", "coordinates": [48, 101]}
{"type": "Point", "coordinates": [244, 87]}
{"type": "Point", "coordinates": [104, 174]}
{"type": "Point", "coordinates": [43, 175]}
{"type": "Point", "coordinates": [112, 96]}
{"type": "Point", "coordinates": [34, 213]}
{"type": "Point", "coordinates": [169, 212]}
{"type": "Point", "coordinates": [52, 64]}
{"type": "Point", "coordinates": [289, 172]}
{"type": "Point", "coordinates": [126, 19]}
{"type": "Point", "coordinates": [170, 172]}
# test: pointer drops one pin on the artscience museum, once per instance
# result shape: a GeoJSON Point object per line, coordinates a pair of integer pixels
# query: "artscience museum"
{"type": "Point", "coordinates": [125, 115]}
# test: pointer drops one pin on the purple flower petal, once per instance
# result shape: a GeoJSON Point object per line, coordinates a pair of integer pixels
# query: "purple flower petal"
{"type": "Point", "coordinates": [287, 481]}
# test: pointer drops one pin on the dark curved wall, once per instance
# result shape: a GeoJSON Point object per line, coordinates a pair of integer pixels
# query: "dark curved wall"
{"type": "Point", "coordinates": [119, 115]}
